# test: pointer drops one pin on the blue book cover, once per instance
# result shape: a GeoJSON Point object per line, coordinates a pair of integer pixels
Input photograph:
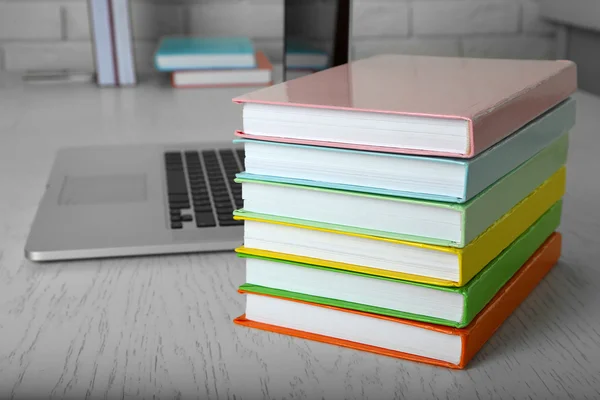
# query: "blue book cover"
{"type": "Point", "coordinates": [185, 53]}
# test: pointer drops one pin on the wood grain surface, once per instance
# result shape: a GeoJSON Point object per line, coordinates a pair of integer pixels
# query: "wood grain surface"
{"type": "Point", "coordinates": [161, 327]}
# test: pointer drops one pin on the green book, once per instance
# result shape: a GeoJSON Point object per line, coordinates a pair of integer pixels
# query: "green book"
{"type": "Point", "coordinates": [398, 298]}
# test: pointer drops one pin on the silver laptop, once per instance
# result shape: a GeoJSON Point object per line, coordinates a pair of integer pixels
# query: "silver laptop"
{"type": "Point", "coordinates": [138, 200]}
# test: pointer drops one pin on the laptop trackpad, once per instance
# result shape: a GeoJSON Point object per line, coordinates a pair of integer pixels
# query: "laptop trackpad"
{"type": "Point", "coordinates": [103, 189]}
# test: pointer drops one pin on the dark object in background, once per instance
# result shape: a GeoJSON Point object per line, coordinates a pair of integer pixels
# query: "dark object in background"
{"type": "Point", "coordinates": [341, 44]}
{"type": "Point", "coordinates": [324, 25]}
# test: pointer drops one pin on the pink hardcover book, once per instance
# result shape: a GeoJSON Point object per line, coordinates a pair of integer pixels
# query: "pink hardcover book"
{"type": "Point", "coordinates": [440, 106]}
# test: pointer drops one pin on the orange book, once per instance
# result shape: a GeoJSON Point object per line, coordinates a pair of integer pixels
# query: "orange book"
{"type": "Point", "coordinates": [262, 75]}
{"type": "Point", "coordinates": [395, 337]}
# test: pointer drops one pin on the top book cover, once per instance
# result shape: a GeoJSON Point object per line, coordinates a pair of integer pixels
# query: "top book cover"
{"type": "Point", "coordinates": [438, 106]}
{"type": "Point", "coordinates": [191, 53]}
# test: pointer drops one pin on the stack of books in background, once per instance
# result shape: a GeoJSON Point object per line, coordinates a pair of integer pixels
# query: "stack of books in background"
{"type": "Point", "coordinates": [302, 58]}
{"type": "Point", "coordinates": [195, 62]}
{"type": "Point", "coordinates": [113, 42]}
{"type": "Point", "coordinates": [403, 205]}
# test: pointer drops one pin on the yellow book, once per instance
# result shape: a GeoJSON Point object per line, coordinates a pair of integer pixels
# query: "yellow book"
{"type": "Point", "coordinates": [445, 266]}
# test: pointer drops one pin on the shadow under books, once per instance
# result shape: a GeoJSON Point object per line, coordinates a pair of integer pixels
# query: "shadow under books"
{"type": "Point", "coordinates": [527, 327]}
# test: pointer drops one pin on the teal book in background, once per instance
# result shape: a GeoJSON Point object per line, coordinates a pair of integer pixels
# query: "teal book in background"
{"type": "Point", "coordinates": [190, 53]}
{"type": "Point", "coordinates": [304, 282]}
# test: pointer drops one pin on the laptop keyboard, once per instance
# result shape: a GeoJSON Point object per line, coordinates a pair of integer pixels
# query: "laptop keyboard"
{"type": "Point", "coordinates": [200, 187]}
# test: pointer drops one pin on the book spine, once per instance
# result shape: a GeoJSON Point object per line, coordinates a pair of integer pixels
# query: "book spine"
{"type": "Point", "coordinates": [485, 285]}
{"type": "Point", "coordinates": [123, 42]}
{"type": "Point", "coordinates": [507, 118]}
{"type": "Point", "coordinates": [101, 30]}
{"type": "Point", "coordinates": [495, 202]}
{"type": "Point", "coordinates": [509, 298]}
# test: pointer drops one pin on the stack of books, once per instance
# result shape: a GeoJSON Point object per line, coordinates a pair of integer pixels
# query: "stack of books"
{"type": "Point", "coordinates": [403, 205]}
{"type": "Point", "coordinates": [212, 61]}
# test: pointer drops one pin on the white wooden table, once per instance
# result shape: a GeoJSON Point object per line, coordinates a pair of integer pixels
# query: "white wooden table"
{"type": "Point", "coordinates": [160, 327]}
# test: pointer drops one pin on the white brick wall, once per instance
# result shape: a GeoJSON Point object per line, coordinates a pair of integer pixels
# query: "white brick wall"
{"type": "Point", "coordinates": [474, 28]}
{"type": "Point", "coordinates": [465, 17]}
{"type": "Point", "coordinates": [531, 20]}
{"type": "Point", "coordinates": [20, 56]}
{"type": "Point", "coordinates": [55, 33]}
{"type": "Point", "coordinates": [30, 21]}
{"type": "Point", "coordinates": [377, 19]}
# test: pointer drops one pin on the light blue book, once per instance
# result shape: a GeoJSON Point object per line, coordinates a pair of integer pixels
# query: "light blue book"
{"type": "Point", "coordinates": [429, 178]}
{"type": "Point", "coordinates": [123, 43]}
{"type": "Point", "coordinates": [104, 56]}
{"type": "Point", "coordinates": [192, 53]}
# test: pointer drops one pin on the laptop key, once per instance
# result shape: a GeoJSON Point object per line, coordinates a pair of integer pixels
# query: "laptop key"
{"type": "Point", "coordinates": [201, 203]}
{"type": "Point", "coordinates": [205, 219]}
{"type": "Point", "coordinates": [224, 216]}
{"type": "Point", "coordinates": [173, 156]}
{"type": "Point", "coordinates": [199, 192]}
{"type": "Point", "coordinates": [202, 208]}
{"type": "Point", "coordinates": [176, 184]}
{"type": "Point", "coordinates": [232, 222]}
{"type": "Point", "coordinates": [178, 198]}
{"type": "Point", "coordinates": [222, 204]}
{"type": "Point", "coordinates": [201, 200]}
{"type": "Point", "coordinates": [186, 217]}
{"type": "Point", "coordinates": [221, 198]}
{"type": "Point", "coordinates": [176, 225]}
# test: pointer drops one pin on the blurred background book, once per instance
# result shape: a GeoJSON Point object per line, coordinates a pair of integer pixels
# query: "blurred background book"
{"type": "Point", "coordinates": [196, 62]}
{"type": "Point", "coordinates": [110, 25]}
